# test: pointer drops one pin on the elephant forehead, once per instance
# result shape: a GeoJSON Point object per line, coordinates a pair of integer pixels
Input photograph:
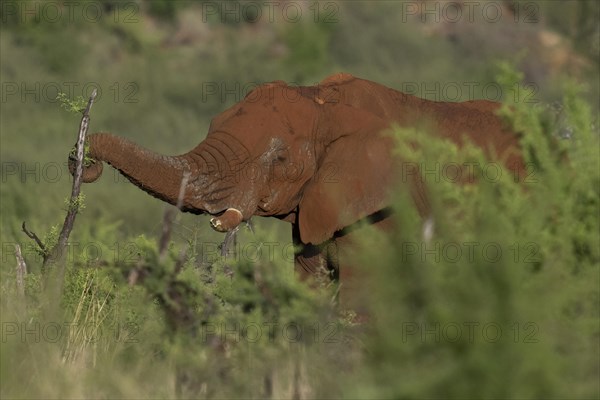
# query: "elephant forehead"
{"type": "Point", "coordinates": [258, 127]}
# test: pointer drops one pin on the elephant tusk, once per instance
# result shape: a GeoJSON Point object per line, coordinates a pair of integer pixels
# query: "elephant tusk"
{"type": "Point", "coordinates": [229, 220]}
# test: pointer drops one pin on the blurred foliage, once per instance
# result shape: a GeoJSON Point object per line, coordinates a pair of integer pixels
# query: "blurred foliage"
{"type": "Point", "coordinates": [164, 70]}
{"type": "Point", "coordinates": [308, 45]}
{"type": "Point", "coordinates": [516, 322]}
{"type": "Point", "coordinates": [163, 8]}
{"type": "Point", "coordinates": [578, 23]}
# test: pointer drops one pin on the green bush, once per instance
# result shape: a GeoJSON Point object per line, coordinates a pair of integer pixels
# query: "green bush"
{"type": "Point", "coordinates": [502, 302]}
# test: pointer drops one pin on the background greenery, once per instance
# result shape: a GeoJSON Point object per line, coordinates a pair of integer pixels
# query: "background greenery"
{"type": "Point", "coordinates": [157, 64]}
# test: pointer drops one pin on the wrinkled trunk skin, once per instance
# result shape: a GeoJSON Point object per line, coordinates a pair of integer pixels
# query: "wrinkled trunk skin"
{"type": "Point", "coordinates": [158, 175]}
{"type": "Point", "coordinates": [218, 183]}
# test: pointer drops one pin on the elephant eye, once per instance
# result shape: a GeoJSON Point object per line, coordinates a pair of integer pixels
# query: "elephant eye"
{"type": "Point", "coordinates": [281, 157]}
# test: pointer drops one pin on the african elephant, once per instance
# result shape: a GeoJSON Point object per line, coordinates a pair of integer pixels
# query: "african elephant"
{"type": "Point", "coordinates": [310, 155]}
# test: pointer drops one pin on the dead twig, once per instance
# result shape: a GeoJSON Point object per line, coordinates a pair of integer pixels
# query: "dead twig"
{"type": "Point", "coordinates": [58, 250]}
{"type": "Point", "coordinates": [55, 255]}
{"type": "Point", "coordinates": [35, 237]}
{"type": "Point", "coordinates": [169, 217]}
{"type": "Point", "coordinates": [165, 235]}
{"type": "Point", "coordinates": [180, 261]}
{"type": "Point", "coordinates": [230, 239]}
{"type": "Point", "coordinates": [21, 271]}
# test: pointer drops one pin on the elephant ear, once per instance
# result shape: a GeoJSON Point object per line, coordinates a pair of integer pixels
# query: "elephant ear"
{"type": "Point", "coordinates": [353, 178]}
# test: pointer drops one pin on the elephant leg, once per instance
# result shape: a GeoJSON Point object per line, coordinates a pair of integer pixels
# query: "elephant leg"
{"type": "Point", "coordinates": [354, 288]}
{"type": "Point", "coordinates": [351, 287]}
{"type": "Point", "coordinates": [310, 261]}
{"type": "Point", "coordinates": [227, 221]}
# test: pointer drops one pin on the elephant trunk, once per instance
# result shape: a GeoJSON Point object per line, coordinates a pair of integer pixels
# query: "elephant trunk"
{"type": "Point", "coordinates": [158, 175]}
{"type": "Point", "coordinates": [91, 170]}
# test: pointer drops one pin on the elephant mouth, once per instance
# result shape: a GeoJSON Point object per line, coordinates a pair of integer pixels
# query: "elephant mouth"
{"type": "Point", "coordinates": [214, 214]}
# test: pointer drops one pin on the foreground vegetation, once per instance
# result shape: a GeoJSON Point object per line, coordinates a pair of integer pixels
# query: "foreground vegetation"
{"type": "Point", "coordinates": [502, 301]}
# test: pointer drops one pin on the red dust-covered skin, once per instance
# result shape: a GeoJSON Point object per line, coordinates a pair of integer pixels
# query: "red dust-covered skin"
{"type": "Point", "coordinates": [314, 156]}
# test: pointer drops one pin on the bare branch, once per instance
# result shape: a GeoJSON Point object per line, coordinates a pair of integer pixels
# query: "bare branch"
{"type": "Point", "coordinates": [35, 237]}
{"type": "Point", "coordinates": [133, 277]}
{"type": "Point", "coordinates": [165, 235]}
{"type": "Point", "coordinates": [180, 261]}
{"type": "Point", "coordinates": [169, 217]}
{"type": "Point", "coordinates": [230, 238]}
{"type": "Point", "coordinates": [57, 252]}
{"type": "Point", "coordinates": [21, 271]}
{"type": "Point", "coordinates": [250, 226]}
{"type": "Point", "coordinates": [184, 182]}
